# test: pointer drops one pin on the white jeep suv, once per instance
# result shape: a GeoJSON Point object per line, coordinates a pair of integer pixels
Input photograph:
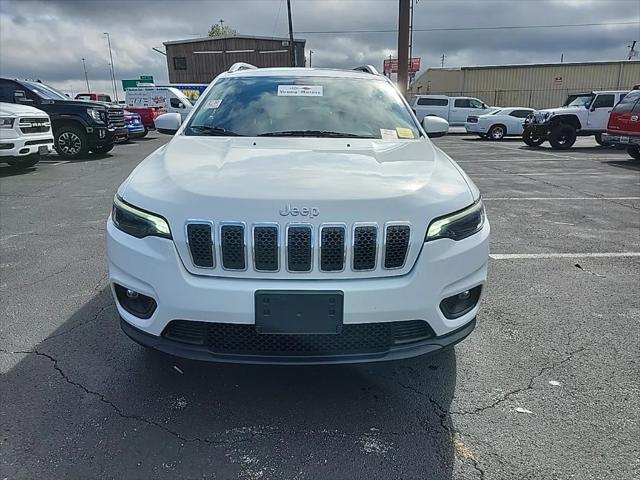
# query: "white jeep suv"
{"type": "Point", "coordinates": [298, 216]}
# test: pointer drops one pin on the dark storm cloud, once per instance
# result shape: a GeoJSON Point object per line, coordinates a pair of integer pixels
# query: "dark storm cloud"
{"type": "Point", "coordinates": [47, 39]}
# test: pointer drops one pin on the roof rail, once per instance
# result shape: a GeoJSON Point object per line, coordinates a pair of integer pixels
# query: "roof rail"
{"type": "Point", "coordinates": [236, 67]}
{"type": "Point", "coordinates": [367, 69]}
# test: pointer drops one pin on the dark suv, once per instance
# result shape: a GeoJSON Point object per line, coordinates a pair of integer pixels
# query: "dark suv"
{"type": "Point", "coordinates": [78, 126]}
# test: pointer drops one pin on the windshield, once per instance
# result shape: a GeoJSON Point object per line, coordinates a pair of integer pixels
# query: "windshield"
{"type": "Point", "coordinates": [303, 106]}
{"type": "Point", "coordinates": [45, 91]}
{"type": "Point", "coordinates": [580, 100]}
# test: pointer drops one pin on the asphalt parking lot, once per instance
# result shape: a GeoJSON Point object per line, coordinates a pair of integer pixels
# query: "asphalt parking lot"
{"type": "Point", "coordinates": [546, 387]}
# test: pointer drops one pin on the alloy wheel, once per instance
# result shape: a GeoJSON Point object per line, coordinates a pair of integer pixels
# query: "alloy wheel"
{"type": "Point", "coordinates": [69, 143]}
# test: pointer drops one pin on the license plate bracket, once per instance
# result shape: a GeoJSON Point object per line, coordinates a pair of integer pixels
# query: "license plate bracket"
{"type": "Point", "coordinates": [290, 312]}
{"type": "Point", "coordinates": [624, 139]}
{"type": "Point", "coordinates": [43, 150]}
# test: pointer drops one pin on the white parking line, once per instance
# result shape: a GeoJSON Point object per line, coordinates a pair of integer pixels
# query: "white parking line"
{"type": "Point", "coordinates": [53, 163]}
{"type": "Point", "coordinates": [520, 256]}
{"type": "Point", "coordinates": [560, 198]}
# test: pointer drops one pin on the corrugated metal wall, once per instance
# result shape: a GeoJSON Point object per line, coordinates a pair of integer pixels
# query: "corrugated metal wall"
{"type": "Point", "coordinates": [203, 67]}
{"type": "Point", "coordinates": [536, 86]}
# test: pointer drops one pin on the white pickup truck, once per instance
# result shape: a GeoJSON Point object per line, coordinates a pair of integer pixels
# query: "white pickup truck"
{"type": "Point", "coordinates": [25, 135]}
{"type": "Point", "coordinates": [582, 114]}
{"type": "Point", "coordinates": [454, 110]}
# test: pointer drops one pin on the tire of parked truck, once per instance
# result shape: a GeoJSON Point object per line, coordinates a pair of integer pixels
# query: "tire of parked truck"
{"type": "Point", "coordinates": [71, 142]}
{"type": "Point", "coordinates": [530, 140]}
{"type": "Point", "coordinates": [146, 130]}
{"type": "Point", "coordinates": [104, 149]}
{"type": "Point", "coordinates": [634, 151]}
{"type": "Point", "coordinates": [563, 137]}
{"type": "Point", "coordinates": [599, 141]}
{"type": "Point", "coordinates": [26, 162]}
{"type": "Point", "coordinates": [497, 132]}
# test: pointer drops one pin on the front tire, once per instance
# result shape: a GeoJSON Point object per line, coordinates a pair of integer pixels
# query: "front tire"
{"type": "Point", "coordinates": [531, 140]}
{"type": "Point", "coordinates": [497, 132]}
{"type": "Point", "coordinates": [563, 137]}
{"type": "Point", "coordinates": [634, 151]}
{"type": "Point", "coordinates": [103, 149]}
{"type": "Point", "coordinates": [599, 141]}
{"type": "Point", "coordinates": [71, 142]}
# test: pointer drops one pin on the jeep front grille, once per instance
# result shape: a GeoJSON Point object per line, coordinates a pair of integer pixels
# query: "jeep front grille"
{"type": "Point", "coordinates": [269, 247]}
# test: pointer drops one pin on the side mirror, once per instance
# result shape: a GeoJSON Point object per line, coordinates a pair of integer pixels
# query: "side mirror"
{"type": "Point", "coordinates": [435, 126]}
{"type": "Point", "coordinates": [168, 123]}
{"type": "Point", "coordinates": [20, 97]}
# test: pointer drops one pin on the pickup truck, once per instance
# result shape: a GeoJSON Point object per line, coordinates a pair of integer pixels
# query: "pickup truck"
{"type": "Point", "coordinates": [25, 135]}
{"type": "Point", "coordinates": [624, 124]}
{"type": "Point", "coordinates": [79, 127]}
{"type": "Point", "coordinates": [454, 110]}
{"type": "Point", "coordinates": [582, 114]}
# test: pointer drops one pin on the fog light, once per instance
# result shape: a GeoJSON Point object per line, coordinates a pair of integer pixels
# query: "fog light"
{"type": "Point", "coordinates": [457, 305]}
{"type": "Point", "coordinates": [135, 303]}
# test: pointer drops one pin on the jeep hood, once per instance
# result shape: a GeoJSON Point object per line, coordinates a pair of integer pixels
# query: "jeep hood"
{"type": "Point", "coordinates": [251, 179]}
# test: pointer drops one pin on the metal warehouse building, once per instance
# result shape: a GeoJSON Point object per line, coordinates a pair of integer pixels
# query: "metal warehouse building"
{"type": "Point", "coordinates": [541, 85]}
{"type": "Point", "coordinates": [200, 60]}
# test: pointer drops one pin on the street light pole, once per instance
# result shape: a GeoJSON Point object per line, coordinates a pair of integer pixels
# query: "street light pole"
{"type": "Point", "coordinates": [86, 77]}
{"type": "Point", "coordinates": [113, 72]}
{"type": "Point", "coordinates": [292, 49]}
{"type": "Point", "coordinates": [310, 54]}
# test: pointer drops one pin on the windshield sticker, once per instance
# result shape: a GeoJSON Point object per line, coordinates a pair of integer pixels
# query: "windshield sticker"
{"type": "Point", "coordinates": [388, 134]}
{"type": "Point", "coordinates": [300, 91]}
{"type": "Point", "coordinates": [404, 132]}
{"type": "Point", "coordinates": [213, 103]}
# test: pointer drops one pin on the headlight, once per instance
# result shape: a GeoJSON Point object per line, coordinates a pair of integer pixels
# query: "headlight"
{"type": "Point", "coordinates": [95, 114]}
{"type": "Point", "coordinates": [458, 225]}
{"type": "Point", "coordinates": [137, 222]}
{"type": "Point", "coordinates": [6, 122]}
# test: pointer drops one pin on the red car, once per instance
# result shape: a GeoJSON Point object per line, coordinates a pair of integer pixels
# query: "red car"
{"type": "Point", "coordinates": [148, 115]}
{"type": "Point", "coordinates": [624, 123]}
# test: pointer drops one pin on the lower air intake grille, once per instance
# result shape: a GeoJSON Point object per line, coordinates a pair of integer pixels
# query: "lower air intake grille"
{"type": "Point", "coordinates": [200, 244]}
{"type": "Point", "coordinates": [396, 245]}
{"type": "Point", "coordinates": [265, 248]}
{"type": "Point", "coordinates": [332, 249]}
{"type": "Point", "coordinates": [229, 338]}
{"type": "Point", "coordinates": [364, 248]}
{"type": "Point", "coordinates": [299, 249]}
{"type": "Point", "coordinates": [232, 246]}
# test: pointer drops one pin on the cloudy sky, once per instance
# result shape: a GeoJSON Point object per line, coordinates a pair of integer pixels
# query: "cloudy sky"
{"type": "Point", "coordinates": [48, 39]}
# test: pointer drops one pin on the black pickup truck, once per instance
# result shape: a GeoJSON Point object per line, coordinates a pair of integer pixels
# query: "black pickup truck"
{"type": "Point", "coordinates": [79, 127]}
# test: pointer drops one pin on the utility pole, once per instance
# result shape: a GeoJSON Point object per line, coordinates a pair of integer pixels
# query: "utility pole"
{"type": "Point", "coordinates": [442, 60]}
{"type": "Point", "coordinates": [562, 58]}
{"type": "Point", "coordinates": [84, 66]}
{"type": "Point", "coordinates": [310, 54]}
{"type": "Point", "coordinates": [632, 50]}
{"type": "Point", "coordinates": [292, 51]}
{"type": "Point", "coordinates": [221, 21]}
{"type": "Point", "coordinates": [113, 71]}
{"type": "Point", "coordinates": [403, 44]}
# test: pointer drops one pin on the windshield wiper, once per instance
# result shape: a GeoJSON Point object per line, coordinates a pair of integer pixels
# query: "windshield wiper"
{"type": "Point", "coordinates": [207, 130]}
{"type": "Point", "coordinates": [313, 133]}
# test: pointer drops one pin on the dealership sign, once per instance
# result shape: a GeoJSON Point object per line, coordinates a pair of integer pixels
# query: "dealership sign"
{"type": "Point", "coordinates": [391, 65]}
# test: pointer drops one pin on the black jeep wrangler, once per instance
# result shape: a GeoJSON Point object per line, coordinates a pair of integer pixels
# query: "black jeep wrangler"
{"type": "Point", "coordinates": [79, 127]}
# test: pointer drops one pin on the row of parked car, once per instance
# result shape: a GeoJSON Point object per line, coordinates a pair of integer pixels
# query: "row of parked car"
{"type": "Point", "coordinates": [612, 117]}
{"type": "Point", "coordinates": [36, 119]}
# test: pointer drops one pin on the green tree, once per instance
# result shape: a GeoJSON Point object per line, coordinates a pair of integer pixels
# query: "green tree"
{"type": "Point", "coordinates": [218, 30]}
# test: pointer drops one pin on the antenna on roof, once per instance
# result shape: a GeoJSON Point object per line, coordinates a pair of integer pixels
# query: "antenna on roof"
{"type": "Point", "coordinates": [236, 67]}
{"type": "Point", "coordinates": [367, 69]}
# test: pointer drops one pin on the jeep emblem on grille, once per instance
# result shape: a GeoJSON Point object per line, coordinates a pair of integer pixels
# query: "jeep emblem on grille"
{"type": "Point", "coordinates": [299, 211]}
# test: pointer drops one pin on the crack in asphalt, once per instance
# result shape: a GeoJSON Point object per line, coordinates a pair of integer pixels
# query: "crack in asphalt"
{"type": "Point", "coordinates": [81, 324]}
{"type": "Point", "coordinates": [516, 391]}
{"type": "Point", "coordinates": [58, 272]}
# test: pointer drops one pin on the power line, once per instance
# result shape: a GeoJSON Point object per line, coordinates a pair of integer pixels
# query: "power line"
{"type": "Point", "coordinates": [459, 29]}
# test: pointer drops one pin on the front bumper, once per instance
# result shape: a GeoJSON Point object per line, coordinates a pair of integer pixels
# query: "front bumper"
{"type": "Point", "coordinates": [16, 146]}
{"type": "Point", "coordinates": [538, 130]}
{"type": "Point", "coordinates": [620, 139]}
{"type": "Point", "coordinates": [152, 267]}
{"type": "Point", "coordinates": [104, 136]}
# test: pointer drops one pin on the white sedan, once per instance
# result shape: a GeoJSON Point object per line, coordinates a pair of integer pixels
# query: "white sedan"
{"type": "Point", "coordinates": [497, 125]}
